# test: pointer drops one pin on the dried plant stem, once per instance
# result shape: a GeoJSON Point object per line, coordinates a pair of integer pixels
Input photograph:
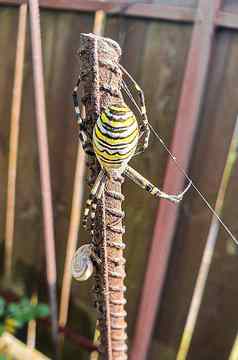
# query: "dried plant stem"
{"type": "Point", "coordinates": [14, 140]}
{"type": "Point", "coordinates": [98, 26]}
{"type": "Point", "coordinates": [208, 252]}
{"type": "Point", "coordinates": [31, 330]}
{"type": "Point", "coordinates": [95, 355]}
{"type": "Point", "coordinates": [234, 350]}
{"type": "Point", "coordinates": [17, 350]}
{"type": "Point", "coordinates": [40, 109]}
{"type": "Point", "coordinates": [73, 235]}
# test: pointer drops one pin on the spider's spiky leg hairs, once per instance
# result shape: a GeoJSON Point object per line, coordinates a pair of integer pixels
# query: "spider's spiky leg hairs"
{"type": "Point", "coordinates": [153, 190]}
{"type": "Point", "coordinates": [95, 195]}
{"type": "Point", "coordinates": [132, 174]}
{"type": "Point", "coordinates": [145, 123]}
{"type": "Point", "coordinates": [80, 121]}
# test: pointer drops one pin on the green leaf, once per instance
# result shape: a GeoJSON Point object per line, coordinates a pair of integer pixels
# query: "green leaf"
{"type": "Point", "coordinates": [22, 312]}
{"type": "Point", "coordinates": [13, 309]}
{"type": "Point", "coordinates": [25, 305]}
{"type": "Point", "coordinates": [25, 302]}
{"type": "Point", "coordinates": [3, 357]}
{"type": "Point", "coordinates": [27, 311]}
{"type": "Point", "coordinates": [41, 311]}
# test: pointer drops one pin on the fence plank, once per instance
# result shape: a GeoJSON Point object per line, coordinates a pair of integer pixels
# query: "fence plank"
{"type": "Point", "coordinates": [208, 253]}
{"type": "Point", "coordinates": [227, 20]}
{"type": "Point", "coordinates": [186, 125]}
{"type": "Point", "coordinates": [181, 13]}
{"type": "Point", "coordinates": [165, 12]}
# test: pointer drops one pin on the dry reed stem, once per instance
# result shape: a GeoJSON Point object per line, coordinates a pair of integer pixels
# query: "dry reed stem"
{"type": "Point", "coordinates": [42, 139]}
{"type": "Point", "coordinates": [14, 140]}
{"type": "Point", "coordinates": [16, 350]}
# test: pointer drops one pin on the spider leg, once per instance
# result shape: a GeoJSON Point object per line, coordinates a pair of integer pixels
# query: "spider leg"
{"type": "Point", "coordinates": [81, 122]}
{"type": "Point", "coordinates": [95, 194]}
{"type": "Point", "coordinates": [148, 186]}
{"type": "Point", "coordinates": [95, 201]}
{"type": "Point", "coordinates": [142, 109]}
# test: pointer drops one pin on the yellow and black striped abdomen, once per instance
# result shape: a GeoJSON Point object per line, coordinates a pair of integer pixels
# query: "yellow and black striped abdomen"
{"type": "Point", "coordinates": [115, 137]}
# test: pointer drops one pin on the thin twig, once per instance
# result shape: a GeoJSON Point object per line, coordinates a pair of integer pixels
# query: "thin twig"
{"type": "Point", "coordinates": [31, 329]}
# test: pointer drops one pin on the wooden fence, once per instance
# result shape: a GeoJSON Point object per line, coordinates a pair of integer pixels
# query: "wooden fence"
{"type": "Point", "coordinates": [184, 55]}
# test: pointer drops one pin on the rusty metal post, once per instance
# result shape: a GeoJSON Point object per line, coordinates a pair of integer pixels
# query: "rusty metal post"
{"type": "Point", "coordinates": [99, 70]}
{"type": "Point", "coordinates": [14, 140]}
{"type": "Point", "coordinates": [41, 123]}
{"type": "Point", "coordinates": [185, 130]}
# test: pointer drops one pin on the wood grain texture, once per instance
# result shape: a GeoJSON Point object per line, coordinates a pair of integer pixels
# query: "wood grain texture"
{"type": "Point", "coordinates": [208, 160]}
{"type": "Point", "coordinates": [155, 54]}
{"type": "Point", "coordinates": [8, 34]}
{"type": "Point", "coordinates": [187, 120]}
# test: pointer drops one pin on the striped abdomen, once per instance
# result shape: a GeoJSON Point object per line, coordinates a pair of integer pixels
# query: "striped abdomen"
{"type": "Point", "coordinates": [115, 137]}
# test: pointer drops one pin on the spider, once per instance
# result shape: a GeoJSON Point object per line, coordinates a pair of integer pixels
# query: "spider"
{"type": "Point", "coordinates": [115, 139]}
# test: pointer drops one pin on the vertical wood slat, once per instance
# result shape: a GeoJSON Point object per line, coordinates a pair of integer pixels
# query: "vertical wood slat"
{"type": "Point", "coordinates": [41, 122]}
{"type": "Point", "coordinates": [185, 129]}
{"type": "Point", "coordinates": [14, 140]}
{"type": "Point", "coordinates": [76, 207]}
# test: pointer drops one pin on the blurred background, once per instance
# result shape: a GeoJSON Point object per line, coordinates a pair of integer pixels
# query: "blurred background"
{"type": "Point", "coordinates": [156, 41]}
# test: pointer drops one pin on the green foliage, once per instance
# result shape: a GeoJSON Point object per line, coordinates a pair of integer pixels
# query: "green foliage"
{"type": "Point", "coordinates": [14, 316]}
{"type": "Point", "coordinates": [42, 311]}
